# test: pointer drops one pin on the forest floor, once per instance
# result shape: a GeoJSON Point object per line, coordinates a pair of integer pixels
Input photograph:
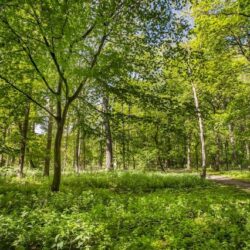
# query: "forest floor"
{"type": "Point", "coordinates": [224, 180]}
{"type": "Point", "coordinates": [123, 211]}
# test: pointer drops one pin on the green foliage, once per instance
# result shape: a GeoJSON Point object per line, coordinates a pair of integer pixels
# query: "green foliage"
{"type": "Point", "coordinates": [123, 211]}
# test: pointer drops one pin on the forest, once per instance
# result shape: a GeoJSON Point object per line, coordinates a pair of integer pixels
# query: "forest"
{"type": "Point", "coordinates": [124, 124]}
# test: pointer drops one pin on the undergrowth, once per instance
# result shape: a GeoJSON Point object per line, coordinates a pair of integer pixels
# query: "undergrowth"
{"type": "Point", "coordinates": [123, 211]}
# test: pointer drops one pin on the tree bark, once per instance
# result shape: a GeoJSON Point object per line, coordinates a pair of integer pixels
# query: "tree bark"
{"type": "Point", "coordinates": [247, 154]}
{"type": "Point", "coordinates": [201, 128]}
{"type": "Point", "coordinates": [48, 146]}
{"type": "Point", "coordinates": [128, 140]}
{"type": "Point", "coordinates": [134, 164]}
{"type": "Point", "coordinates": [197, 156]}
{"type": "Point", "coordinates": [60, 122]}
{"type": "Point", "coordinates": [57, 157]}
{"type": "Point", "coordinates": [188, 155]}
{"type": "Point", "coordinates": [24, 133]}
{"type": "Point", "coordinates": [77, 151]}
{"type": "Point", "coordinates": [219, 152]}
{"type": "Point", "coordinates": [232, 142]}
{"type": "Point", "coordinates": [65, 160]}
{"type": "Point", "coordinates": [109, 142]}
{"type": "Point", "coordinates": [84, 151]}
{"type": "Point", "coordinates": [7, 160]}
{"type": "Point", "coordinates": [226, 153]}
{"type": "Point", "coordinates": [123, 141]}
{"type": "Point", "coordinates": [2, 160]}
{"type": "Point", "coordinates": [100, 160]}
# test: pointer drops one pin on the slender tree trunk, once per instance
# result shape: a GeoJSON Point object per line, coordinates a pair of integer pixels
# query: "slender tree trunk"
{"type": "Point", "coordinates": [116, 160]}
{"type": "Point", "coordinates": [100, 160]}
{"type": "Point", "coordinates": [232, 142]}
{"type": "Point", "coordinates": [24, 133]}
{"type": "Point", "coordinates": [11, 160]}
{"type": "Point", "coordinates": [109, 142]}
{"type": "Point", "coordinates": [2, 160]}
{"type": "Point", "coordinates": [84, 165]}
{"type": "Point", "coordinates": [48, 146]}
{"type": "Point", "coordinates": [197, 156]}
{"type": "Point", "coordinates": [217, 157]}
{"type": "Point", "coordinates": [134, 164]}
{"type": "Point", "coordinates": [226, 152]}
{"type": "Point", "coordinates": [128, 140]}
{"type": "Point", "coordinates": [247, 154]}
{"type": "Point", "coordinates": [123, 141]}
{"type": "Point", "coordinates": [77, 151]}
{"type": "Point", "coordinates": [159, 158]}
{"type": "Point", "coordinates": [29, 150]}
{"type": "Point", "coordinates": [65, 160]}
{"type": "Point", "coordinates": [202, 137]}
{"type": "Point", "coordinates": [188, 155]}
{"type": "Point", "coordinates": [7, 161]}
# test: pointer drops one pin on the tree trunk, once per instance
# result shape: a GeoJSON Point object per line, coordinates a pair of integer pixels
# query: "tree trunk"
{"type": "Point", "coordinates": [128, 140]}
{"type": "Point", "coordinates": [24, 133]}
{"type": "Point", "coordinates": [57, 157]}
{"type": "Point", "coordinates": [65, 161]}
{"type": "Point", "coordinates": [226, 152]}
{"type": "Point", "coordinates": [232, 142]}
{"type": "Point", "coordinates": [134, 165]}
{"type": "Point", "coordinates": [29, 150]}
{"type": "Point", "coordinates": [202, 137]}
{"type": "Point", "coordinates": [188, 155]}
{"type": "Point", "coordinates": [109, 142]}
{"type": "Point", "coordinates": [48, 147]}
{"type": "Point", "coordinates": [77, 151]}
{"type": "Point", "coordinates": [247, 154]}
{"type": "Point", "coordinates": [197, 156]}
{"type": "Point", "coordinates": [7, 160]}
{"type": "Point", "coordinates": [100, 160]}
{"type": "Point", "coordinates": [217, 157]}
{"type": "Point", "coordinates": [2, 160]}
{"type": "Point", "coordinates": [84, 165]}
{"type": "Point", "coordinates": [123, 141]}
{"type": "Point", "coordinates": [60, 122]}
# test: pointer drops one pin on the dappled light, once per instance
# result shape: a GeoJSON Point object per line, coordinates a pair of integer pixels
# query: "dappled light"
{"type": "Point", "coordinates": [125, 124]}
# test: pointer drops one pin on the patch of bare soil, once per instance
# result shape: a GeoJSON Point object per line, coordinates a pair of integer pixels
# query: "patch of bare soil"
{"type": "Point", "coordinates": [229, 181]}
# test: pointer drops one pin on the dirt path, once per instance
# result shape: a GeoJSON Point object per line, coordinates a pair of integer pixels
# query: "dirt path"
{"type": "Point", "coordinates": [231, 182]}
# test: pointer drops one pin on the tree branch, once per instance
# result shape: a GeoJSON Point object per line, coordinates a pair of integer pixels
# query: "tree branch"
{"type": "Point", "coordinates": [240, 45]}
{"type": "Point", "coordinates": [226, 14]}
{"type": "Point", "coordinates": [92, 64]}
{"type": "Point", "coordinates": [51, 52]}
{"type": "Point", "coordinates": [26, 49]}
{"type": "Point", "coordinates": [235, 13]}
{"type": "Point", "coordinates": [26, 95]}
{"type": "Point", "coordinates": [81, 38]}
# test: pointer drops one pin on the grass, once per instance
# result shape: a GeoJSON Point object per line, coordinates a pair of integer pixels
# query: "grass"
{"type": "Point", "coordinates": [123, 211]}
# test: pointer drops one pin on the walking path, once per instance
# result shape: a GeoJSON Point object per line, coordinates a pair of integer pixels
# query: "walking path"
{"type": "Point", "coordinates": [231, 182]}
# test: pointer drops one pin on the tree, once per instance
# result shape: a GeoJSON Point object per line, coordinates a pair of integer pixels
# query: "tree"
{"type": "Point", "coordinates": [224, 25]}
{"type": "Point", "coordinates": [61, 42]}
{"type": "Point", "coordinates": [47, 159]}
